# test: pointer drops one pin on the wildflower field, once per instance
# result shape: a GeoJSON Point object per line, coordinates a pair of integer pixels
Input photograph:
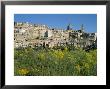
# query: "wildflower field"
{"type": "Point", "coordinates": [54, 62]}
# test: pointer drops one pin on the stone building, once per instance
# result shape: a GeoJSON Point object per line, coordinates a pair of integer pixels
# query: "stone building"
{"type": "Point", "coordinates": [35, 35]}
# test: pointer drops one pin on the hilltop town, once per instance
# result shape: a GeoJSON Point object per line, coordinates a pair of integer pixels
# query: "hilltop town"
{"type": "Point", "coordinates": [36, 35]}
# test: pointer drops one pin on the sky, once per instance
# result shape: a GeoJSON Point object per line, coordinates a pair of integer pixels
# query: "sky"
{"type": "Point", "coordinates": [61, 20]}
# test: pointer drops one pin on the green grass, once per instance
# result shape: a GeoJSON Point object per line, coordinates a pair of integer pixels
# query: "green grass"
{"type": "Point", "coordinates": [51, 62]}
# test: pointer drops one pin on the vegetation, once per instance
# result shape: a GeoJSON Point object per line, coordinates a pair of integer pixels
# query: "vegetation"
{"type": "Point", "coordinates": [55, 62]}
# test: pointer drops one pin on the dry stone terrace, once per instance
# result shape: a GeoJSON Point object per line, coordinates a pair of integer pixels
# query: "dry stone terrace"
{"type": "Point", "coordinates": [36, 35]}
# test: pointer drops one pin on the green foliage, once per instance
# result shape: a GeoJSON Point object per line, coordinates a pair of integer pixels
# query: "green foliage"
{"type": "Point", "coordinates": [53, 62]}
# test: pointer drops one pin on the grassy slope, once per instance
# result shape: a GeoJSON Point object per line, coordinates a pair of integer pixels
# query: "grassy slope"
{"type": "Point", "coordinates": [49, 62]}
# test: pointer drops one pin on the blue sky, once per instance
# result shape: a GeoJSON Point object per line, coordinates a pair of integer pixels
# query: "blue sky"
{"type": "Point", "coordinates": [61, 20]}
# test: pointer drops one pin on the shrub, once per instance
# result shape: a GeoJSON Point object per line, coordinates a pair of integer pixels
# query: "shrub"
{"type": "Point", "coordinates": [53, 62]}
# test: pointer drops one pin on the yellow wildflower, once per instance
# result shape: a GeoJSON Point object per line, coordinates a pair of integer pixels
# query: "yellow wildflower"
{"type": "Point", "coordinates": [59, 54]}
{"type": "Point", "coordinates": [23, 71]}
{"type": "Point", "coordinates": [41, 56]}
{"type": "Point", "coordinates": [87, 65]}
{"type": "Point", "coordinates": [78, 68]}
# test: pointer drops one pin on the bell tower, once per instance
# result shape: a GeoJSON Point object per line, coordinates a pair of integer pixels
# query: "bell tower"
{"type": "Point", "coordinates": [82, 28]}
{"type": "Point", "coordinates": [69, 26]}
